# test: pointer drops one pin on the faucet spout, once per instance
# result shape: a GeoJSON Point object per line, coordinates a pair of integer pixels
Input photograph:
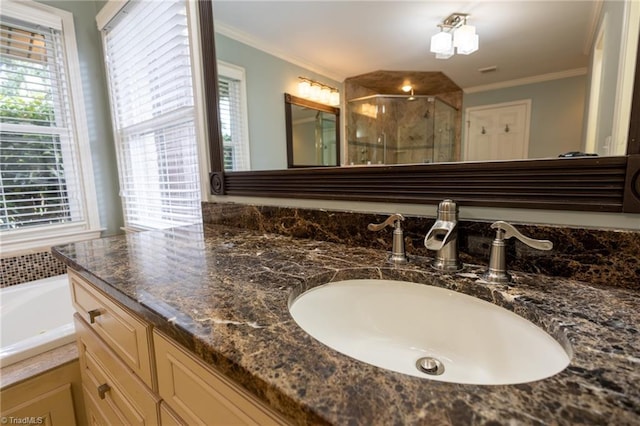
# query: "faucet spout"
{"type": "Point", "coordinates": [440, 234]}
{"type": "Point", "coordinates": [443, 238]}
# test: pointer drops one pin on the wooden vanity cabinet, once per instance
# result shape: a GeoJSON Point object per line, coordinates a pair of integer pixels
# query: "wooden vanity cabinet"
{"type": "Point", "coordinates": [113, 394]}
{"type": "Point", "coordinates": [132, 374]}
{"type": "Point", "coordinates": [51, 398]}
{"type": "Point", "coordinates": [201, 395]}
{"type": "Point", "coordinates": [122, 331]}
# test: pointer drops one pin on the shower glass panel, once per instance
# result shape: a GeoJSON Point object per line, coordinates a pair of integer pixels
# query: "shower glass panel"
{"type": "Point", "coordinates": [399, 129]}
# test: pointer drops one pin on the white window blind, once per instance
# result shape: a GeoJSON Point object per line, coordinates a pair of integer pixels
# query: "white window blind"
{"type": "Point", "coordinates": [233, 118]}
{"type": "Point", "coordinates": [149, 73]}
{"type": "Point", "coordinates": [39, 165]}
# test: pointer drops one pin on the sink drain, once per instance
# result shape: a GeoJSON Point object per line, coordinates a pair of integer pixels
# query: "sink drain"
{"type": "Point", "coordinates": [430, 366]}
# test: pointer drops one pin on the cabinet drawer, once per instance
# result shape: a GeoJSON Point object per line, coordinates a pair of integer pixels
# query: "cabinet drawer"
{"type": "Point", "coordinates": [112, 391]}
{"type": "Point", "coordinates": [128, 336]}
{"type": "Point", "coordinates": [97, 414]}
{"type": "Point", "coordinates": [168, 417]}
{"type": "Point", "coordinates": [200, 395]}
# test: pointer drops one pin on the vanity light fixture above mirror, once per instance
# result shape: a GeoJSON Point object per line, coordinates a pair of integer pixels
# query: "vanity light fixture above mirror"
{"type": "Point", "coordinates": [318, 92]}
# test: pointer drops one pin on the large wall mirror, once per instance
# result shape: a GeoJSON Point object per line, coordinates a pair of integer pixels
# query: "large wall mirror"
{"type": "Point", "coordinates": [589, 67]}
{"type": "Point", "coordinates": [313, 133]}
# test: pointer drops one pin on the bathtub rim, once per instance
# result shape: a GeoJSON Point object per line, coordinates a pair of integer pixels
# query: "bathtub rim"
{"type": "Point", "coordinates": [36, 345]}
{"type": "Point", "coordinates": [35, 283]}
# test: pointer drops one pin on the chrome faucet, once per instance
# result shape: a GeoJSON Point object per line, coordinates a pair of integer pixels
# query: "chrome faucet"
{"type": "Point", "coordinates": [443, 238]}
{"type": "Point", "coordinates": [397, 251]}
{"type": "Point", "coordinates": [497, 273]}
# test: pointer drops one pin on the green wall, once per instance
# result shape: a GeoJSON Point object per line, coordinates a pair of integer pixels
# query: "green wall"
{"type": "Point", "coordinates": [557, 109]}
{"type": "Point", "coordinates": [267, 79]}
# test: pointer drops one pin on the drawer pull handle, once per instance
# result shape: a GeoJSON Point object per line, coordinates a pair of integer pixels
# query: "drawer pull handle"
{"type": "Point", "coordinates": [103, 389]}
{"type": "Point", "coordinates": [93, 314]}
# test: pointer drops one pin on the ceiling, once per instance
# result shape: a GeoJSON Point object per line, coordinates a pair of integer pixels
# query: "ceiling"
{"type": "Point", "coordinates": [342, 39]}
{"type": "Point", "coordinates": [391, 82]}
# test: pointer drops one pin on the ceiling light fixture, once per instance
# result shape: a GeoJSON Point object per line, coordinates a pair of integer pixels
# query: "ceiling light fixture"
{"type": "Point", "coordinates": [407, 88]}
{"type": "Point", "coordinates": [455, 36]}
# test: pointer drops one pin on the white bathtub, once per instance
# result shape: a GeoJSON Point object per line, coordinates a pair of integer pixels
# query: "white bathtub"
{"type": "Point", "coordinates": [35, 317]}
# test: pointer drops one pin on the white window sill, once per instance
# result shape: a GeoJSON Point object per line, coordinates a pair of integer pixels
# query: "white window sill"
{"type": "Point", "coordinates": [37, 239]}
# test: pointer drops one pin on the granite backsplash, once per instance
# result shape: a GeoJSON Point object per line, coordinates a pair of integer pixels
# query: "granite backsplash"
{"type": "Point", "coordinates": [600, 257]}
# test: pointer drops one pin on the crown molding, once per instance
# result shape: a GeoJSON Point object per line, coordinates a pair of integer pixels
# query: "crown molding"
{"type": "Point", "coordinates": [249, 40]}
{"type": "Point", "coordinates": [527, 80]}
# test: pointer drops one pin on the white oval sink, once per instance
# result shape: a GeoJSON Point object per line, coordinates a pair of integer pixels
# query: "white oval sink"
{"type": "Point", "coordinates": [393, 324]}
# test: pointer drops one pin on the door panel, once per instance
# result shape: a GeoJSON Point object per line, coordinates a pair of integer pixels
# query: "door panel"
{"type": "Point", "coordinates": [498, 132]}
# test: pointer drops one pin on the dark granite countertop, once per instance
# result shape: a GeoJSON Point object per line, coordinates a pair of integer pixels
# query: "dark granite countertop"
{"type": "Point", "coordinates": [223, 293]}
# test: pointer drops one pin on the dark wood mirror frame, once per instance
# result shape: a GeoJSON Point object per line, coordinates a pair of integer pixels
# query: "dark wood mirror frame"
{"type": "Point", "coordinates": [289, 101]}
{"type": "Point", "coordinates": [598, 184]}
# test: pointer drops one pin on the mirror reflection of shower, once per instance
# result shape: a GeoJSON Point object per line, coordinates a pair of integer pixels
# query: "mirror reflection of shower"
{"type": "Point", "coordinates": [313, 133]}
{"type": "Point", "coordinates": [325, 139]}
{"type": "Point", "coordinates": [400, 129]}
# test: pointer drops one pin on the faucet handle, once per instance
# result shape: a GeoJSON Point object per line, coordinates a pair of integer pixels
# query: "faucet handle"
{"type": "Point", "coordinates": [394, 220]}
{"type": "Point", "coordinates": [506, 230]}
{"type": "Point", "coordinates": [497, 273]}
{"type": "Point", "coordinates": [397, 251]}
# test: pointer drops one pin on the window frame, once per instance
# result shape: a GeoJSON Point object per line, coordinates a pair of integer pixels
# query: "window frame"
{"type": "Point", "coordinates": [235, 72]}
{"type": "Point", "coordinates": [104, 17]}
{"type": "Point", "coordinates": [16, 241]}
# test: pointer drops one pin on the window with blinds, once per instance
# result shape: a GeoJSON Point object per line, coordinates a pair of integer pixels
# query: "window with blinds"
{"type": "Point", "coordinates": [39, 180]}
{"type": "Point", "coordinates": [233, 117]}
{"type": "Point", "coordinates": [149, 72]}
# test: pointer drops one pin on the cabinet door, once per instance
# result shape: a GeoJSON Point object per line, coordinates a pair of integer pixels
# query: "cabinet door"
{"type": "Point", "coordinates": [52, 408]}
{"type": "Point", "coordinates": [498, 132]}
{"type": "Point", "coordinates": [126, 335]}
{"type": "Point", "coordinates": [47, 398]}
{"type": "Point", "coordinates": [114, 394]}
{"type": "Point", "coordinates": [202, 396]}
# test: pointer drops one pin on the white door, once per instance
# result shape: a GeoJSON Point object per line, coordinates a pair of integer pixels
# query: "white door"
{"type": "Point", "coordinates": [498, 131]}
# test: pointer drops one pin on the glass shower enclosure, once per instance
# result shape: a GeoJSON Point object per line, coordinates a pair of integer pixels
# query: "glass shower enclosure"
{"type": "Point", "coordinates": [400, 129]}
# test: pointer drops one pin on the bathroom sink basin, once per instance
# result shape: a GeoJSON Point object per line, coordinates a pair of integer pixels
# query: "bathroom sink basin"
{"type": "Point", "coordinates": [428, 332]}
